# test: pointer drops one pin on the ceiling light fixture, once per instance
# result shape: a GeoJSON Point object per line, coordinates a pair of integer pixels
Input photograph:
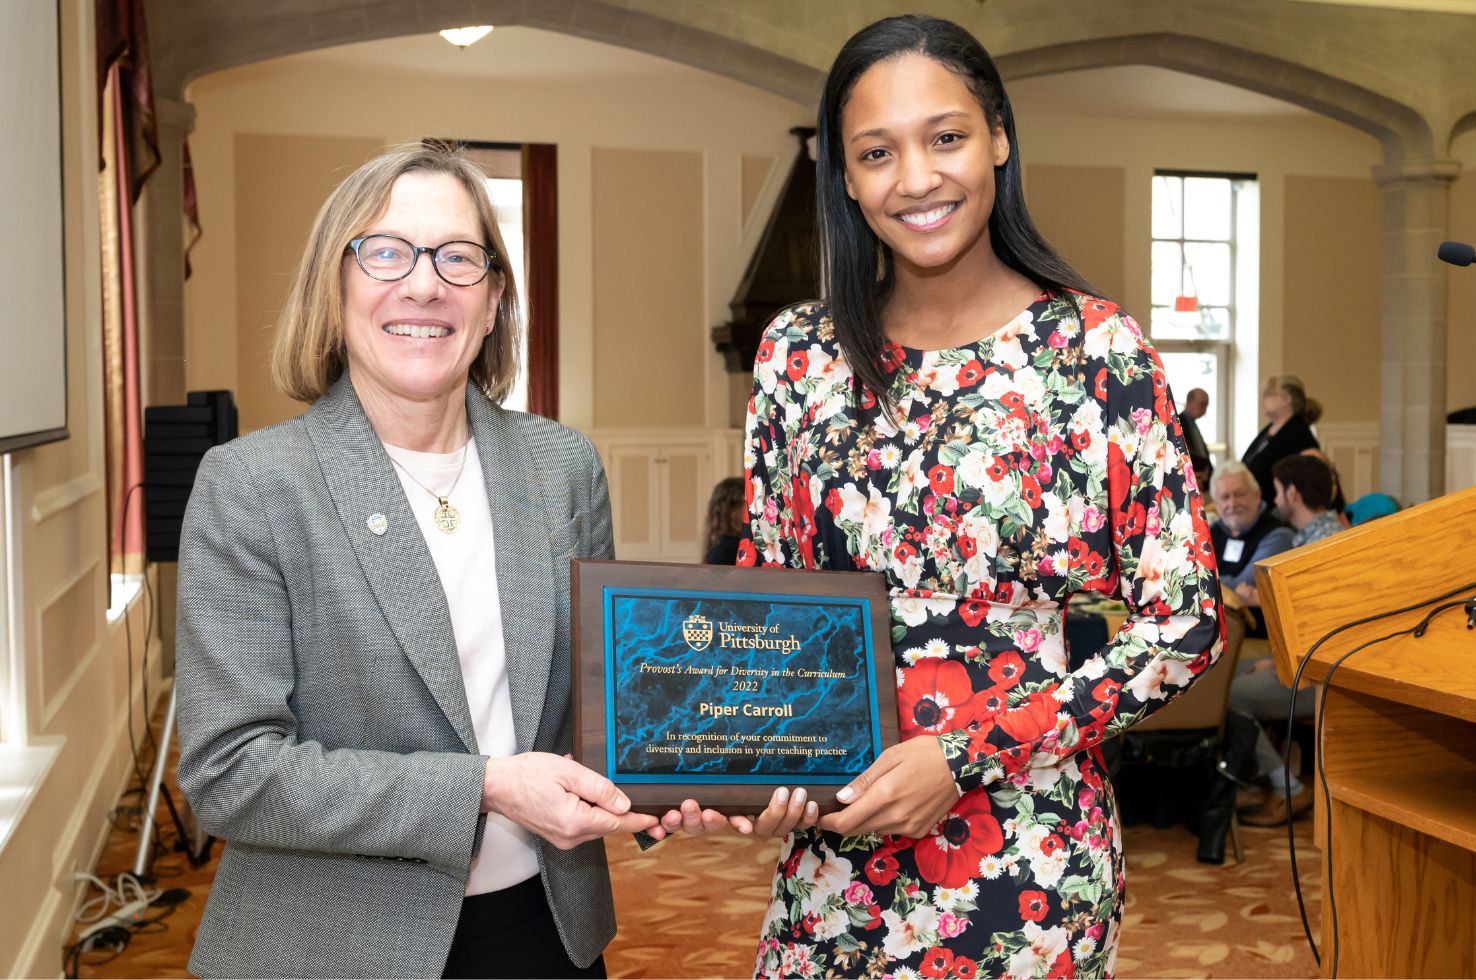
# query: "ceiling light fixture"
{"type": "Point", "coordinates": [465, 37]}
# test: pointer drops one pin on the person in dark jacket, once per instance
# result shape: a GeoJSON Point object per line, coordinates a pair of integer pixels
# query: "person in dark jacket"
{"type": "Point", "coordinates": [1196, 403]}
{"type": "Point", "coordinates": [725, 520]}
{"type": "Point", "coordinates": [1292, 414]}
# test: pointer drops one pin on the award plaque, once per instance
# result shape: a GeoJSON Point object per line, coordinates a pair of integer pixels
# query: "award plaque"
{"type": "Point", "coordinates": [720, 684]}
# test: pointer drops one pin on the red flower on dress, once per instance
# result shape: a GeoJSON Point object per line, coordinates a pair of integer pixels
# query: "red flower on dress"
{"type": "Point", "coordinates": [1106, 689]}
{"type": "Point", "coordinates": [834, 502]}
{"type": "Point", "coordinates": [1031, 719]}
{"type": "Point", "coordinates": [1080, 439]}
{"type": "Point", "coordinates": [940, 478]}
{"type": "Point", "coordinates": [892, 356]}
{"type": "Point", "coordinates": [931, 695]}
{"type": "Point", "coordinates": [1051, 845]}
{"type": "Point", "coordinates": [804, 519]}
{"type": "Point", "coordinates": [991, 702]}
{"type": "Point", "coordinates": [797, 365]}
{"type": "Point", "coordinates": [998, 469]}
{"type": "Point", "coordinates": [1101, 384]}
{"type": "Point", "coordinates": [1006, 669]}
{"type": "Point", "coordinates": [747, 557]}
{"type": "Point", "coordinates": [965, 968]}
{"type": "Point", "coordinates": [970, 374]}
{"type": "Point", "coordinates": [967, 547]}
{"type": "Point", "coordinates": [881, 867]}
{"type": "Point", "coordinates": [1118, 477]}
{"type": "Point", "coordinates": [1062, 966]}
{"type": "Point", "coordinates": [1030, 491]}
{"type": "Point", "coordinates": [904, 551]}
{"type": "Point", "coordinates": [973, 611]}
{"type": "Point", "coordinates": [766, 351]}
{"type": "Point", "coordinates": [1094, 312]}
{"type": "Point", "coordinates": [1033, 906]}
{"type": "Point", "coordinates": [950, 856]}
{"type": "Point", "coordinates": [1132, 521]}
{"type": "Point", "coordinates": [1014, 403]}
{"type": "Point", "coordinates": [937, 963]}
{"type": "Point", "coordinates": [876, 920]}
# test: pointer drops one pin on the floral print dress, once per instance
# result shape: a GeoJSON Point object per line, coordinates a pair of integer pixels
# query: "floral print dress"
{"type": "Point", "coordinates": [1043, 460]}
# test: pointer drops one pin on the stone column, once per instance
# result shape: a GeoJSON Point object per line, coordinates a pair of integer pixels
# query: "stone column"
{"type": "Point", "coordinates": [161, 254]}
{"type": "Point", "coordinates": [1416, 208]}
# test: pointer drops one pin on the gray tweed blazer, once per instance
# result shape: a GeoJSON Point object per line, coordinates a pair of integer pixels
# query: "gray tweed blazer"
{"type": "Point", "coordinates": [323, 727]}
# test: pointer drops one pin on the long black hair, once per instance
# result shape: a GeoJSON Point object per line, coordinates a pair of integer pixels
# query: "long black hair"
{"type": "Point", "coordinates": [856, 270]}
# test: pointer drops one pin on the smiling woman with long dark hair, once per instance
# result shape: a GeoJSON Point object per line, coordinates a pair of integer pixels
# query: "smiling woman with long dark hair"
{"type": "Point", "coordinates": [962, 414]}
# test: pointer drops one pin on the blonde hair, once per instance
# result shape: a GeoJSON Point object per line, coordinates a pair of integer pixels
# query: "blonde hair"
{"type": "Point", "coordinates": [1310, 409]}
{"type": "Point", "coordinates": [308, 353]}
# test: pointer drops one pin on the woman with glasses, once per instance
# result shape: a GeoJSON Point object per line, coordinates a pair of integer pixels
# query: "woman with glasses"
{"type": "Point", "coordinates": [962, 415]}
{"type": "Point", "coordinates": [373, 640]}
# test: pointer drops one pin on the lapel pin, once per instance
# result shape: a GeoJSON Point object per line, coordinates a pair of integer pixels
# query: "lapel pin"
{"type": "Point", "coordinates": [377, 523]}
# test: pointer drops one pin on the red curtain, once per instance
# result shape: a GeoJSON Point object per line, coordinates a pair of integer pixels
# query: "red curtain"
{"type": "Point", "coordinates": [130, 146]}
{"type": "Point", "coordinates": [123, 40]}
{"type": "Point", "coordinates": [541, 253]}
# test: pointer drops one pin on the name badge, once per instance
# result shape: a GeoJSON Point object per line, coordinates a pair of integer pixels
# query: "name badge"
{"type": "Point", "coordinates": [1234, 548]}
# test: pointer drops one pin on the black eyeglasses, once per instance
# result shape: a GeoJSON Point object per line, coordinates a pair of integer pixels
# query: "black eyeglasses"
{"type": "Point", "coordinates": [389, 258]}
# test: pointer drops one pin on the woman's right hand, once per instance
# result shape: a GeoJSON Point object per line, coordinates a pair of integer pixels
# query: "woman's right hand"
{"type": "Point", "coordinates": [558, 799]}
{"type": "Point", "coordinates": [785, 812]}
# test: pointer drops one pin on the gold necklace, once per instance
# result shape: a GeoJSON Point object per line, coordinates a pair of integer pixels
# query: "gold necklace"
{"type": "Point", "coordinates": [447, 518]}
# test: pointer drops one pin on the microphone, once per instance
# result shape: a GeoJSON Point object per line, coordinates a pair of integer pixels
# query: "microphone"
{"type": "Point", "coordinates": [1457, 253]}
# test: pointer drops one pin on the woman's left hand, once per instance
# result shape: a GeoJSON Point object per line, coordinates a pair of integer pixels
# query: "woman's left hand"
{"type": "Point", "coordinates": [906, 791]}
{"type": "Point", "coordinates": [691, 819]}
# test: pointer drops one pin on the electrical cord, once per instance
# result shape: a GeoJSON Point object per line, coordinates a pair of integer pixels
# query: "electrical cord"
{"type": "Point", "coordinates": [114, 939]}
{"type": "Point", "coordinates": [1417, 631]}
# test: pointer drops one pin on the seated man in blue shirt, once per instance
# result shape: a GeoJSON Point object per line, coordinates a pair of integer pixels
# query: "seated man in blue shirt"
{"type": "Point", "coordinates": [1244, 532]}
{"type": "Point", "coordinates": [1304, 490]}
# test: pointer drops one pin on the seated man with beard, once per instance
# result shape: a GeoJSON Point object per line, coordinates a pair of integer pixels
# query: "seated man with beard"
{"type": "Point", "coordinates": [1244, 532]}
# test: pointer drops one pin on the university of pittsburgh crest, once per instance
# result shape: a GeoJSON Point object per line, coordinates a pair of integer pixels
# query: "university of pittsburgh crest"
{"type": "Point", "coordinates": [697, 631]}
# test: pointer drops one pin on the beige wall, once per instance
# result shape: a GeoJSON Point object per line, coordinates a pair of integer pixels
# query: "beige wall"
{"type": "Point", "coordinates": [281, 181]}
{"type": "Point", "coordinates": [647, 353]}
{"type": "Point", "coordinates": [72, 665]}
{"type": "Point", "coordinates": [666, 110]}
{"type": "Point", "coordinates": [1460, 369]}
{"type": "Point", "coordinates": [1331, 306]}
{"type": "Point", "coordinates": [1079, 210]}
{"type": "Point", "coordinates": [1276, 152]}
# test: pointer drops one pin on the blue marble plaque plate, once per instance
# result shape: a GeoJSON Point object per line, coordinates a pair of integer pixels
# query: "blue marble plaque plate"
{"type": "Point", "coordinates": [724, 679]}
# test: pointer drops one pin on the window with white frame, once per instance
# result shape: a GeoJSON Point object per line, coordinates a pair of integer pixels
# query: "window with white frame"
{"type": "Point", "coordinates": [1205, 291]}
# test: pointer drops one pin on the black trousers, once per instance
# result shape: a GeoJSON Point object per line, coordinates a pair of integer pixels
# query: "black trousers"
{"type": "Point", "coordinates": [511, 933]}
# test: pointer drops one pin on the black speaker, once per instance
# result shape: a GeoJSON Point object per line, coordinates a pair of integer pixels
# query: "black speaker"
{"type": "Point", "coordinates": [175, 439]}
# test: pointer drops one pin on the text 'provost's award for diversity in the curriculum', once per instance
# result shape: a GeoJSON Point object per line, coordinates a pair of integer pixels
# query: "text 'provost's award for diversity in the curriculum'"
{"type": "Point", "coordinates": [719, 684]}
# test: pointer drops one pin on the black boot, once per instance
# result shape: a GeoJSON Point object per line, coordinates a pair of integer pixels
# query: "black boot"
{"type": "Point", "coordinates": [1236, 764]}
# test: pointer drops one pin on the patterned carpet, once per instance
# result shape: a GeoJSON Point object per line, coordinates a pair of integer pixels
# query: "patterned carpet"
{"type": "Point", "coordinates": [692, 908]}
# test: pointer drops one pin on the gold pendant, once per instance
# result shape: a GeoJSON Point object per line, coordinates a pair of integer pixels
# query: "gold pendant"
{"type": "Point", "coordinates": [447, 518]}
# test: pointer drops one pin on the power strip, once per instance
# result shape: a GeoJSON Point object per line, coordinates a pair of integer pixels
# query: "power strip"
{"type": "Point", "coordinates": [128, 916]}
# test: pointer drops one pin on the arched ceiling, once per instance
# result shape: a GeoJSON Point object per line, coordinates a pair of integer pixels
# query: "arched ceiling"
{"type": "Point", "coordinates": [1398, 74]}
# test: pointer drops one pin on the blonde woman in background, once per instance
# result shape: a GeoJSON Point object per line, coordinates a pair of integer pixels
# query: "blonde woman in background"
{"type": "Point", "coordinates": [1291, 415]}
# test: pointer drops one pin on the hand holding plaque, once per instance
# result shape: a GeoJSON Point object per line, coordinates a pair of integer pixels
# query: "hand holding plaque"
{"type": "Point", "coordinates": [721, 684]}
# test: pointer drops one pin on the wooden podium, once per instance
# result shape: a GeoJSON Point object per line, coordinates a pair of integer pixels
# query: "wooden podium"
{"type": "Point", "coordinates": [1399, 735]}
